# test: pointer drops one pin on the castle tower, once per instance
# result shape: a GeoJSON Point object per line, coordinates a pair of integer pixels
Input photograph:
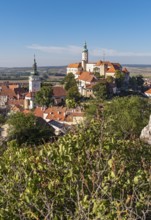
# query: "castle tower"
{"type": "Point", "coordinates": [34, 79]}
{"type": "Point", "coordinates": [84, 57]}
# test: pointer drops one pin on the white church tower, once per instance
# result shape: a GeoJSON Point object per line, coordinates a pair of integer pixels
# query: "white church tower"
{"type": "Point", "coordinates": [84, 57]}
{"type": "Point", "coordinates": [34, 79]}
{"type": "Point", "coordinates": [34, 86]}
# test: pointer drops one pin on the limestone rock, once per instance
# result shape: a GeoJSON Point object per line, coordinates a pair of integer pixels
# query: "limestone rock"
{"type": "Point", "coordinates": [146, 133]}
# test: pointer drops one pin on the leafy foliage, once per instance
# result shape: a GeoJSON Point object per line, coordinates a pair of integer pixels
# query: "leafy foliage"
{"type": "Point", "coordinates": [44, 96]}
{"type": "Point", "coordinates": [69, 81]}
{"type": "Point", "coordinates": [2, 119]}
{"type": "Point", "coordinates": [119, 78]}
{"type": "Point", "coordinates": [136, 82]}
{"type": "Point", "coordinates": [100, 90]}
{"type": "Point", "coordinates": [71, 88]}
{"type": "Point", "coordinates": [84, 175]}
{"type": "Point", "coordinates": [127, 116]}
{"type": "Point", "coordinates": [70, 103]}
{"type": "Point", "coordinates": [28, 129]}
{"type": "Point", "coordinates": [73, 93]}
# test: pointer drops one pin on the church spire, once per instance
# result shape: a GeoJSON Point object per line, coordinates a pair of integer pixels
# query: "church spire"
{"type": "Point", "coordinates": [35, 72]}
{"type": "Point", "coordinates": [85, 47]}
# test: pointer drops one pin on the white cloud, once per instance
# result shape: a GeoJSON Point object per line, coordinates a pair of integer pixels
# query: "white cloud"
{"type": "Point", "coordinates": [112, 53]}
{"type": "Point", "coordinates": [71, 49]}
{"type": "Point", "coordinates": [76, 50]}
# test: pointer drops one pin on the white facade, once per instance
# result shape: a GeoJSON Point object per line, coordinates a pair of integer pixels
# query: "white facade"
{"type": "Point", "coordinates": [34, 83]}
{"type": "Point", "coordinates": [84, 57]}
{"type": "Point", "coordinates": [90, 67]}
{"type": "Point", "coordinates": [74, 70]}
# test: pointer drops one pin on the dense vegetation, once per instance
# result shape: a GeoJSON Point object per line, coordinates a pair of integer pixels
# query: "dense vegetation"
{"type": "Point", "coordinates": [28, 130]}
{"type": "Point", "coordinates": [87, 174]}
{"type": "Point", "coordinates": [44, 96]}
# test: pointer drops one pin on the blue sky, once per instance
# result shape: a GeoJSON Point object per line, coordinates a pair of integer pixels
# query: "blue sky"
{"type": "Point", "coordinates": [55, 31]}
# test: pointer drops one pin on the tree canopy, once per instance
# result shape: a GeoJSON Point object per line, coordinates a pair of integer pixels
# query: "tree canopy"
{"type": "Point", "coordinates": [100, 90]}
{"type": "Point", "coordinates": [126, 116]}
{"type": "Point", "coordinates": [44, 96]}
{"type": "Point", "coordinates": [73, 93]}
{"type": "Point", "coordinates": [71, 88]}
{"type": "Point", "coordinates": [69, 81]}
{"type": "Point", "coordinates": [28, 129]}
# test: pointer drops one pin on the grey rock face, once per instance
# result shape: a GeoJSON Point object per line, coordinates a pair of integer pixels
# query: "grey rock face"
{"type": "Point", "coordinates": [146, 133]}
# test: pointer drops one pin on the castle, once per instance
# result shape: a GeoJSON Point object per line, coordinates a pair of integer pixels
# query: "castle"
{"type": "Point", "coordinates": [84, 72]}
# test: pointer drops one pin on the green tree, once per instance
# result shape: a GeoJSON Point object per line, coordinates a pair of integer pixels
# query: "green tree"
{"type": "Point", "coordinates": [73, 93]}
{"type": "Point", "coordinates": [126, 116]}
{"type": "Point", "coordinates": [110, 79]}
{"type": "Point", "coordinates": [133, 83]}
{"type": "Point", "coordinates": [93, 110]}
{"type": "Point", "coordinates": [97, 72]}
{"type": "Point", "coordinates": [136, 82]}
{"type": "Point", "coordinates": [119, 78]}
{"type": "Point", "coordinates": [28, 129]}
{"type": "Point", "coordinates": [69, 81]}
{"type": "Point", "coordinates": [140, 80]}
{"type": "Point", "coordinates": [70, 103]}
{"type": "Point", "coordinates": [2, 119]}
{"type": "Point", "coordinates": [100, 90]}
{"type": "Point", "coordinates": [44, 96]}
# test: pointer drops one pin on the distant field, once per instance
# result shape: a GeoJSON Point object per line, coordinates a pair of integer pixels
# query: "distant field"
{"type": "Point", "coordinates": [144, 70]}
{"type": "Point", "coordinates": [56, 74]}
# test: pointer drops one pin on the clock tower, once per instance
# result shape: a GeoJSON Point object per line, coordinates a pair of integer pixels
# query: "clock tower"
{"type": "Point", "coordinates": [34, 79]}
{"type": "Point", "coordinates": [84, 57]}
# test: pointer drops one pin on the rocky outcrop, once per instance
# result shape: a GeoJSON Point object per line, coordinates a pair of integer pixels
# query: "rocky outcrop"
{"type": "Point", "coordinates": [146, 133]}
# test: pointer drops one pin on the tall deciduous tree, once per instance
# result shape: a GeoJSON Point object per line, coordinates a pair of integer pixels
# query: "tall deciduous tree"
{"type": "Point", "coordinates": [44, 96]}
{"type": "Point", "coordinates": [69, 81]}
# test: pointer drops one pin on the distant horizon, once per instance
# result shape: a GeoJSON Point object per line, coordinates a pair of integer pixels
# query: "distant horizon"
{"type": "Point", "coordinates": [124, 64]}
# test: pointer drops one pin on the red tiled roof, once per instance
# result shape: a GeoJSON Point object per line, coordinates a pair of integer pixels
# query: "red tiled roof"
{"type": "Point", "coordinates": [5, 90]}
{"type": "Point", "coordinates": [59, 91]}
{"type": "Point", "coordinates": [111, 70]}
{"type": "Point", "coordinates": [16, 102]}
{"type": "Point", "coordinates": [99, 63]}
{"type": "Point", "coordinates": [74, 65]}
{"type": "Point", "coordinates": [39, 112]}
{"type": "Point", "coordinates": [148, 91]}
{"type": "Point", "coordinates": [87, 77]}
{"type": "Point", "coordinates": [26, 111]}
{"type": "Point", "coordinates": [13, 86]}
{"type": "Point", "coordinates": [56, 113]}
{"type": "Point", "coordinates": [55, 108]}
